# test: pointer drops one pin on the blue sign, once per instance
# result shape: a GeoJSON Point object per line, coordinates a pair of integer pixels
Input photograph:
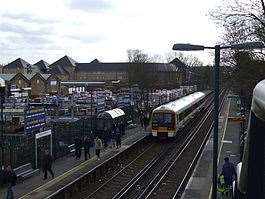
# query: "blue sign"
{"type": "Point", "coordinates": [35, 119]}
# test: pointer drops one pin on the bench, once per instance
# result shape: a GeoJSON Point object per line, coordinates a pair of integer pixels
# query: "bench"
{"type": "Point", "coordinates": [130, 124]}
{"type": "Point", "coordinates": [71, 148]}
{"type": "Point", "coordinates": [25, 171]}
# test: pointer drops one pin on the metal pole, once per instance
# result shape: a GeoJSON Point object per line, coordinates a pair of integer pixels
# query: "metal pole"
{"type": "Point", "coordinates": [91, 101]}
{"type": "Point", "coordinates": [2, 129]}
{"type": "Point", "coordinates": [216, 119]}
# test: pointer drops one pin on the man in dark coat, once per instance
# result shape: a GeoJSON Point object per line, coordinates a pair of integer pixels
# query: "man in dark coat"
{"type": "Point", "coordinates": [118, 137]}
{"type": "Point", "coordinates": [47, 164]}
{"type": "Point", "coordinates": [88, 142]}
{"type": "Point", "coordinates": [78, 147]}
{"type": "Point", "coordinates": [228, 171]}
{"type": "Point", "coordinates": [10, 180]}
{"type": "Point", "coordinates": [146, 122]}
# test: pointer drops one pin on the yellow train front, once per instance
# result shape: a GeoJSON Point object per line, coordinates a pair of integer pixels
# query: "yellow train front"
{"type": "Point", "coordinates": [167, 119]}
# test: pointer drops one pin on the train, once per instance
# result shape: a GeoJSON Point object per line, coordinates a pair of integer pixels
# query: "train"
{"type": "Point", "coordinates": [250, 171]}
{"type": "Point", "coordinates": [168, 119]}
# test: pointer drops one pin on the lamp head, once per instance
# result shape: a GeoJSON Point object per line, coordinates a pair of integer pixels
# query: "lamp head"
{"type": "Point", "coordinates": [187, 47]}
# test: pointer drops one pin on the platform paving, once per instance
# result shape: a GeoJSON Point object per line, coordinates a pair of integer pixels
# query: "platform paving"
{"type": "Point", "coordinates": [68, 165]}
{"type": "Point", "coordinates": [200, 184]}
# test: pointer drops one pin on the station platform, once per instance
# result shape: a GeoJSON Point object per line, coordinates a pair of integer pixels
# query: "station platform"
{"type": "Point", "coordinates": [200, 184]}
{"type": "Point", "coordinates": [68, 168]}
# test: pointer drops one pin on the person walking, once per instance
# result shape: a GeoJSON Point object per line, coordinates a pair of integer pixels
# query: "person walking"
{"type": "Point", "coordinates": [87, 144]}
{"type": "Point", "coordinates": [228, 171]}
{"type": "Point", "coordinates": [78, 147]}
{"type": "Point", "coordinates": [146, 122]}
{"type": "Point", "coordinates": [113, 137]}
{"type": "Point", "coordinates": [98, 147]}
{"type": "Point", "coordinates": [118, 137]}
{"type": "Point", "coordinates": [47, 164]}
{"type": "Point", "coordinates": [10, 179]}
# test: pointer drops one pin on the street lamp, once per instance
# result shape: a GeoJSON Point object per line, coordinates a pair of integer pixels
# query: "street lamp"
{"type": "Point", "coordinates": [2, 96]}
{"type": "Point", "coordinates": [217, 48]}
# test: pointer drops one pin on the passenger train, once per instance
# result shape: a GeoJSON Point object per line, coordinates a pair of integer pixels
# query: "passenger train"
{"type": "Point", "coordinates": [167, 119]}
{"type": "Point", "coordinates": [251, 172]}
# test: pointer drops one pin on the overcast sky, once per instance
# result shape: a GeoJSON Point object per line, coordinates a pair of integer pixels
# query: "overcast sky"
{"type": "Point", "coordinates": [102, 29]}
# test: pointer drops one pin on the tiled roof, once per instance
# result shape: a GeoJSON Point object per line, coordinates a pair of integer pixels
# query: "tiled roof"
{"type": "Point", "coordinates": [18, 63]}
{"type": "Point", "coordinates": [43, 65]}
{"type": "Point", "coordinates": [7, 77]}
{"type": "Point", "coordinates": [161, 67]}
{"type": "Point", "coordinates": [95, 61]}
{"type": "Point", "coordinates": [102, 66]}
{"type": "Point", "coordinates": [45, 76]}
{"type": "Point", "coordinates": [58, 70]}
{"type": "Point", "coordinates": [65, 61]}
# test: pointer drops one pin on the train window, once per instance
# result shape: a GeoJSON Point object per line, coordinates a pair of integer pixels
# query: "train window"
{"type": "Point", "coordinates": [168, 118]}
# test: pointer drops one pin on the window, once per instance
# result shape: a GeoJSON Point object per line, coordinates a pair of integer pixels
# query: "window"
{"type": "Point", "coordinates": [19, 81]}
{"type": "Point", "coordinates": [38, 81]}
{"type": "Point", "coordinates": [53, 83]}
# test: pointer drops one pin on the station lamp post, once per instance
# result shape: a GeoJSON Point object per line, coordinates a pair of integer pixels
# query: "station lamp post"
{"type": "Point", "coordinates": [217, 48]}
{"type": "Point", "coordinates": [2, 98]}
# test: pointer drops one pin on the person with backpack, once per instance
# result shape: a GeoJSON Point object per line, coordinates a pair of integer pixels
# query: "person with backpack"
{"type": "Point", "coordinates": [228, 171]}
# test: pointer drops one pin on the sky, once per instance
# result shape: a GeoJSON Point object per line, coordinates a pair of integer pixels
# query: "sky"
{"type": "Point", "coordinates": [102, 29]}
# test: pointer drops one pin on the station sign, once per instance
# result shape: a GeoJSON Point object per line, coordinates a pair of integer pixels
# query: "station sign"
{"type": "Point", "coordinates": [35, 119]}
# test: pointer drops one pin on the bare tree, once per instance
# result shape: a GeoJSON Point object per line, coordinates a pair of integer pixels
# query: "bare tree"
{"type": "Point", "coordinates": [242, 20]}
{"type": "Point", "coordinates": [189, 60]}
{"type": "Point", "coordinates": [137, 56]}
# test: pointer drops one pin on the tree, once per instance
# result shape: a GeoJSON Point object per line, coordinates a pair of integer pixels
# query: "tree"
{"type": "Point", "coordinates": [242, 20]}
{"type": "Point", "coordinates": [137, 56]}
{"type": "Point", "coordinates": [188, 60]}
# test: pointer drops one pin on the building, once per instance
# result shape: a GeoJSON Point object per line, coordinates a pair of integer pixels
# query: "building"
{"type": "Point", "coordinates": [182, 71]}
{"type": "Point", "coordinates": [40, 84]}
{"type": "Point", "coordinates": [60, 72]}
{"type": "Point", "coordinates": [107, 72]}
{"type": "Point", "coordinates": [43, 66]}
{"type": "Point", "coordinates": [155, 75]}
{"type": "Point", "coordinates": [19, 81]}
{"type": "Point", "coordinates": [64, 68]}
{"type": "Point", "coordinates": [17, 66]}
{"type": "Point", "coordinates": [53, 85]}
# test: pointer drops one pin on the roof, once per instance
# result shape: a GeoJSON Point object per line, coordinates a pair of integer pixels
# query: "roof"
{"type": "Point", "coordinates": [43, 65]}
{"type": "Point", "coordinates": [124, 66]}
{"type": "Point", "coordinates": [178, 63]}
{"type": "Point", "coordinates": [65, 61]}
{"type": "Point", "coordinates": [7, 77]}
{"type": "Point", "coordinates": [181, 104]}
{"type": "Point", "coordinates": [258, 100]}
{"type": "Point", "coordinates": [114, 113]}
{"type": "Point", "coordinates": [58, 70]}
{"type": "Point", "coordinates": [95, 61]}
{"type": "Point", "coordinates": [45, 76]}
{"type": "Point", "coordinates": [28, 76]}
{"type": "Point", "coordinates": [18, 63]}
{"type": "Point", "coordinates": [102, 66]}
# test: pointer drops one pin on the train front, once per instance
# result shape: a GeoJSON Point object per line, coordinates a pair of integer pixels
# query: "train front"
{"type": "Point", "coordinates": [163, 124]}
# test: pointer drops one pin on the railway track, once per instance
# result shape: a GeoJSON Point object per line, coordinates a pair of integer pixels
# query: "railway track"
{"type": "Point", "coordinates": [138, 177]}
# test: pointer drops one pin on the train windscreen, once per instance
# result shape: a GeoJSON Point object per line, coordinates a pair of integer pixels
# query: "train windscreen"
{"type": "Point", "coordinates": [163, 120]}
